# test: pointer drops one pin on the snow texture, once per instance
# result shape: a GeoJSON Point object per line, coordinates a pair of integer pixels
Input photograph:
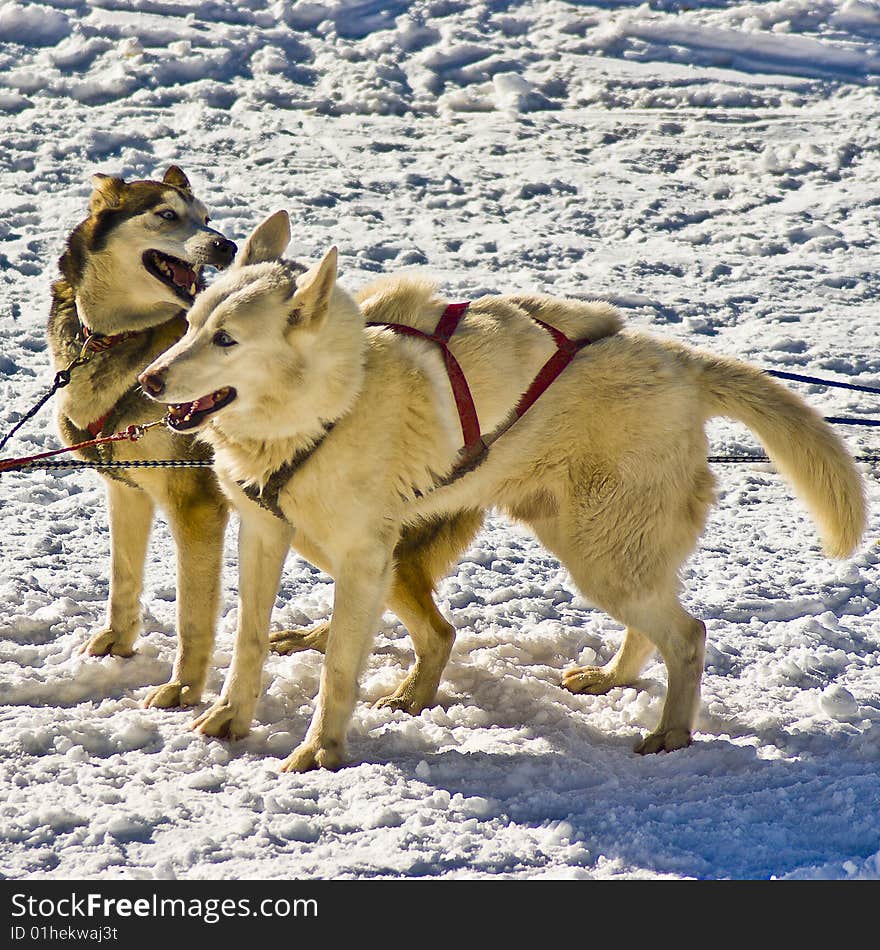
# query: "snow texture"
{"type": "Point", "coordinates": [714, 170]}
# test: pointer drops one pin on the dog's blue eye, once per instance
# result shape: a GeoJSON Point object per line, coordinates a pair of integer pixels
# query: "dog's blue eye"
{"type": "Point", "coordinates": [168, 215]}
{"type": "Point", "coordinates": [222, 338]}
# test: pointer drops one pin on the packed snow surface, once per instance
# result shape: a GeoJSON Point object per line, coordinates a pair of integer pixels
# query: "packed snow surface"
{"type": "Point", "coordinates": [714, 170]}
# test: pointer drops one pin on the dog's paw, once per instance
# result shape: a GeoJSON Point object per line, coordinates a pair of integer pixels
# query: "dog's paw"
{"type": "Point", "coordinates": [224, 720]}
{"type": "Point", "coordinates": [295, 641]}
{"type": "Point", "coordinates": [587, 679]}
{"type": "Point", "coordinates": [310, 755]}
{"type": "Point", "coordinates": [407, 698]}
{"type": "Point", "coordinates": [108, 642]}
{"type": "Point", "coordinates": [667, 741]}
{"type": "Point", "coordinates": [172, 694]}
{"type": "Point", "coordinates": [400, 703]}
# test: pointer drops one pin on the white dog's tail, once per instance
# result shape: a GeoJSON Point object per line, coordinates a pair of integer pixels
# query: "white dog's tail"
{"type": "Point", "coordinates": [805, 449]}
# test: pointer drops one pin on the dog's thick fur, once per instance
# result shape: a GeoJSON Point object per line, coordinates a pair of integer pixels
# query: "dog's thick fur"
{"type": "Point", "coordinates": [608, 468]}
{"type": "Point", "coordinates": [107, 287]}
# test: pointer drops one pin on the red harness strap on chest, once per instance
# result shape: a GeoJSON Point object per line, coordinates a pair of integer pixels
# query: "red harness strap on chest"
{"type": "Point", "coordinates": [98, 343]}
{"type": "Point", "coordinates": [474, 443]}
{"type": "Point", "coordinates": [94, 428]}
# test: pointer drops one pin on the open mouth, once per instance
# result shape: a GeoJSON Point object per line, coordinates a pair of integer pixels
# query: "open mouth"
{"type": "Point", "coordinates": [183, 278]}
{"type": "Point", "coordinates": [188, 415]}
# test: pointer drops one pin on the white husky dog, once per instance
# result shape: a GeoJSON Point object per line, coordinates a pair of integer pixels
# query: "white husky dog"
{"type": "Point", "coordinates": [335, 437]}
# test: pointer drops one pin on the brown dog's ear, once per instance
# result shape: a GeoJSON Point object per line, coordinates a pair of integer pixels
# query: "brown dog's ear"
{"type": "Point", "coordinates": [268, 241]}
{"type": "Point", "coordinates": [107, 193]}
{"type": "Point", "coordinates": [175, 176]}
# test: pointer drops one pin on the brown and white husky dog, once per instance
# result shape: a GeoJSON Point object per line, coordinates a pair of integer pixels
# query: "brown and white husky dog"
{"type": "Point", "coordinates": [348, 434]}
{"type": "Point", "coordinates": [130, 271]}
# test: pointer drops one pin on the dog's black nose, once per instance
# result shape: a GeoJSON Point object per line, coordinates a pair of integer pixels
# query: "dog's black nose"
{"type": "Point", "coordinates": [223, 251]}
{"type": "Point", "coordinates": [153, 384]}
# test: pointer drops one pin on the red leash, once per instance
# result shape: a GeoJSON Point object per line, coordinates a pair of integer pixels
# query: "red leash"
{"type": "Point", "coordinates": [131, 434]}
{"type": "Point", "coordinates": [92, 343]}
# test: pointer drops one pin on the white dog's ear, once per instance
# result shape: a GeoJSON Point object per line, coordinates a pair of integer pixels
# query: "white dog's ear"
{"type": "Point", "coordinates": [107, 193]}
{"type": "Point", "coordinates": [268, 241]}
{"type": "Point", "coordinates": [310, 302]}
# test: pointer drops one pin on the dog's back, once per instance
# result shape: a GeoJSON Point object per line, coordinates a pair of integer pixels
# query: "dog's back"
{"type": "Point", "coordinates": [414, 302]}
{"type": "Point", "coordinates": [500, 342]}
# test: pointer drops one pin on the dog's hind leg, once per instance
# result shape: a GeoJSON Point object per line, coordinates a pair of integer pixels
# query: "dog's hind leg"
{"type": "Point", "coordinates": [681, 640]}
{"type": "Point", "coordinates": [198, 521]}
{"type": "Point", "coordinates": [636, 585]}
{"type": "Point", "coordinates": [622, 670]}
{"type": "Point", "coordinates": [131, 515]}
{"type": "Point", "coordinates": [412, 599]}
{"type": "Point", "coordinates": [678, 636]}
{"type": "Point", "coordinates": [295, 641]}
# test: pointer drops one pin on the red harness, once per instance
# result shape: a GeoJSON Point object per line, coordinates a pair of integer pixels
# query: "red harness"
{"type": "Point", "coordinates": [475, 444]}
{"type": "Point", "coordinates": [98, 343]}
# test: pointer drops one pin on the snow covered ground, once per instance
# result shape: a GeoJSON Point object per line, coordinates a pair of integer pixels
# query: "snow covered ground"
{"type": "Point", "coordinates": [712, 168]}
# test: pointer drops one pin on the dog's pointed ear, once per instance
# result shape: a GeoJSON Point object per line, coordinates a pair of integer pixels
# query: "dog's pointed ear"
{"type": "Point", "coordinates": [107, 193]}
{"type": "Point", "coordinates": [175, 176]}
{"type": "Point", "coordinates": [268, 241]}
{"type": "Point", "coordinates": [311, 300]}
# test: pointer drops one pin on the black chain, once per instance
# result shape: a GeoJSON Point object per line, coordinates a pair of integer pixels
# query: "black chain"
{"type": "Point", "coordinates": [70, 464]}
{"type": "Point", "coordinates": [763, 458]}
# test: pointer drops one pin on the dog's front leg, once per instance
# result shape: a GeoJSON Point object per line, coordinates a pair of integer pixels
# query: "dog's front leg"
{"type": "Point", "coordinates": [361, 587]}
{"type": "Point", "coordinates": [198, 522]}
{"type": "Point", "coordinates": [263, 543]}
{"type": "Point", "coordinates": [131, 515]}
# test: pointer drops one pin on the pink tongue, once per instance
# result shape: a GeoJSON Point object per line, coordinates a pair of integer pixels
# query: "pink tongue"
{"type": "Point", "coordinates": [183, 276]}
{"type": "Point", "coordinates": [205, 402]}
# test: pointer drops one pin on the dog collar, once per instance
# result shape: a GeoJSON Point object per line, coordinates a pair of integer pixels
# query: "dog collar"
{"type": "Point", "coordinates": [98, 342]}
{"type": "Point", "coordinates": [267, 497]}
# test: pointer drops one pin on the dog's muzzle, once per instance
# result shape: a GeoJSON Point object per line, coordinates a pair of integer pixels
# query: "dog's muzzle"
{"type": "Point", "coordinates": [221, 252]}
{"type": "Point", "coordinates": [152, 383]}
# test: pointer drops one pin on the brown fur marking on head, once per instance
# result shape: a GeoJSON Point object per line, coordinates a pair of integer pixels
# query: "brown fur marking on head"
{"type": "Point", "coordinates": [112, 202]}
{"type": "Point", "coordinates": [107, 194]}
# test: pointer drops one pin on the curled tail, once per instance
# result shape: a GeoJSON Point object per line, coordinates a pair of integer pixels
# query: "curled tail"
{"type": "Point", "coordinates": [805, 449]}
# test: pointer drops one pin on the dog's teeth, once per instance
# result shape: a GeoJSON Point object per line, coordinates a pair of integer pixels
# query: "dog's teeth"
{"type": "Point", "coordinates": [192, 290]}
